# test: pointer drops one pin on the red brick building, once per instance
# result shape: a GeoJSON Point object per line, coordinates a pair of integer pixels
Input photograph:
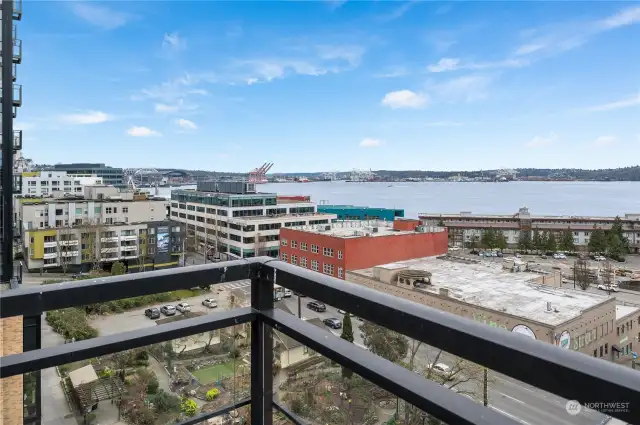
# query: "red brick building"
{"type": "Point", "coordinates": [352, 245]}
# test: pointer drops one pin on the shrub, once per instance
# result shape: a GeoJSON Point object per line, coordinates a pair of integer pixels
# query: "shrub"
{"type": "Point", "coordinates": [165, 402]}
{"type": "Point", "coordinates": [71, 323]}
{"type": "Point", "coordinates": [212, 394]}
{"type": "Point", "coordinates": [106, 373]}
{"type": "Point", "coordinates": [142, 355]}
{"type": "Point", "coordinates": [188, 406]}
{"type": "Point", "coordinates": [118, 268]}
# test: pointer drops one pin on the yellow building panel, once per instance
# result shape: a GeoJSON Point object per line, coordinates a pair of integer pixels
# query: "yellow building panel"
{"type": "Point", "coordinates": [30, 173]}
{"type": "Point", "coordinates": [30, 200]}
{"type": "Point", "coordinates": [37, 246]}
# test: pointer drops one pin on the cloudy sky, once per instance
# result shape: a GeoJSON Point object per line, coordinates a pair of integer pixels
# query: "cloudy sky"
{"type": "Point", "coordinates": [331, 85]}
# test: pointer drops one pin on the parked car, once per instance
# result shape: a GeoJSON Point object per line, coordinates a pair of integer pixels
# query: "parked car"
{"type": "Point", "coordinates": [600, 258]}
{"type": "Point", "coordinates": [612, 288]}
{"type": "Point", "coordinates": [152, 313]}
{"type": "Point", "coordinates": [287, 293]}
{"type": "Point", "coordinates": [518, 255]}
{"type": "Point", "coordinates": [439, 367]}
{"type": "Point", "coordinates": [341, 311]}
{"type": "Point", "coordinates": [317, 306]}
{"type": "Point", "coordinates": [210, 303]}
{"type": "Point", "coordinates": [183, 307]}
{"type": "Point", "coordinates": [168, 310]}
{"type": "Point", "coordinates": [333, 323]}
{"type": "Point", "coordinates": [559, 256]}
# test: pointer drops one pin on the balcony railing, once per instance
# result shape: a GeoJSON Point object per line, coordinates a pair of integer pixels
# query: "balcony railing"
{"type": "Point", "coordinates": [571, 375]}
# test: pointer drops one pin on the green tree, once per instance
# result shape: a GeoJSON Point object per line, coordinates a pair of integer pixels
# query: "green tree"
{"type": "Point", "coordinates": [347, 335]}
{"type": "Point", "coordinates": [474, 243]}
{"type": "Point", "coordinates": [118, 268]}
{"type": "Point", "coordinates": [501, 241]}
{"type": "Point", "coordinates": [566, 241]}
{"type": "Point", "coordinates": [617, 242]}
{"type": "Point", "coordinates": [537, 240]}
{"type": "Point", "coordinates": [384, 342]}
{"type": "Point", "coordinates": [524, 241]}
{"type": "Point", "coordinates": [441, 223]}
{"type": "Point", "coordinates": [550, 242]}
{"type": "Point", "coordinates": [488, 239]}
{"type": "Point", "coordinates": [597, 240]}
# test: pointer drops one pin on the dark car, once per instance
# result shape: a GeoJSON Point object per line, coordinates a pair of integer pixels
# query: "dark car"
{"type": "Point", "coordinates": [152, 313]}
{"type": "Point", "coordinates": [317, 306]}
{"type": "Point", "coordinates": [333, 323]}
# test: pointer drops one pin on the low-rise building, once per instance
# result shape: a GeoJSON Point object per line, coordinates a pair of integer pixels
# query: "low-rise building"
{"type": "Point", "coordinates": [107, 225]}
{"type": "Point", "coordinates": [237, 221]}
{"type": "Point", "coordinates": [110, 175]}
{"type": "Point", "coordinates": [627, 335]}
{"type": "Point", "coordinates": [336, 248]}
{"type": "Point", "coordinates": [514, 301]}
{"type": "Point", "coordinates": [47, 183]}
{"type": "Point", "coordinates": [464, 227]}
{"type": "Point", "coordinates": [354, 212]}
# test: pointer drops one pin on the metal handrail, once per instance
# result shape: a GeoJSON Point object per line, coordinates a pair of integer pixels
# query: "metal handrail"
{"type": "Point", "coordinates": [565, 373]}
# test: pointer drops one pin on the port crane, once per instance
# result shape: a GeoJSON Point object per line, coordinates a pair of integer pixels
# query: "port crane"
{"type": "Point", "coordinates": [259, 175]}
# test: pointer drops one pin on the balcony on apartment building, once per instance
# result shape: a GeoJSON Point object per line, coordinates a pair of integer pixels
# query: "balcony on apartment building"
{"type": "Point", "coordinates": [565, 373]}
{"type": "Point", "coordinates": [109, 237]}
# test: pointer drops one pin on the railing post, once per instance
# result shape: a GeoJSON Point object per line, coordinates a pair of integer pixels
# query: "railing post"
{"type": "Point", "coordinates": [261, 348]}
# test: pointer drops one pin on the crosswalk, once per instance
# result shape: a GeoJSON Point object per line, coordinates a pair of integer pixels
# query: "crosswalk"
{"type": "Point", "coordinates": [241, 285]}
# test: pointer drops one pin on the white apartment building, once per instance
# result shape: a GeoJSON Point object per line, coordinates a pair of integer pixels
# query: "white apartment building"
{"type": "Point", "coordinates": [238, 221]}
{"type": "Point", "coordinates": [108, 225]}
{"type": "Point", "coordinates": [464, 227]}
{"type": "Point", "coordinates": [45, 183]}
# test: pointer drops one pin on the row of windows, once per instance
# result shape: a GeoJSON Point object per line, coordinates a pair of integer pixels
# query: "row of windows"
{"type": "Point", "coordinates": [327, 268]}
{"type": "Point", "coordinates": [327, 252]}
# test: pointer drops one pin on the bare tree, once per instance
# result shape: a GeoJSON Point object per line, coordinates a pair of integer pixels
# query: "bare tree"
{"type": "Point", "coordinates": [608, 275]}
{"type": "Point", "coordinates": [191, 243]}
{"type": "Point", "coordinates": [581, 275]}
{"type": "Point", "coordinates": [143, 239]}
{"type": "Point", "coordinates": [91, 231]}
{"type": "Point", "coordinates": [65, 248]}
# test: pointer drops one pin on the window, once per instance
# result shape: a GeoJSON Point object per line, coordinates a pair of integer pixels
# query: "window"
{"type": "Point", "coordinates": [283, 256]}
{"type": "Point", "coordinates": [108, 210]}
{"type": "Point", "coordinates": [601, 350]}
{"type": "Point", "coordinates": [59, 211]}
{"type": "Point", "coordinates": [303, 262]}
{"type": "Point", "coordinates": [314, 249]}
{"type": "Point", "coordinates": [327, 252]}
{"type": "Point", "coordinates": [283, 242]}
{"type": "Point", "coordinates": [152, 241]}
{"type": "Point", "coordinates": [125, 210]}
{"type": "Point", "coordinates": [340, 272]}
{"type": "Point", "coordinates": [339, 254]}
{"type": "Point", "coordinates": [294, 244]}
{"type": "Point", "coordinates": [108, 220]}
{"type": "Point", "coordinates": [314, 265]}
{"type": "Point", "coordinates": [327, 269]}
{"type": "Point", "coordinates": [303, 247]}
{"type": "Point", "coordinates": [294, 260]}
{"type": "Point", "coordinates": [115, 210]}
{"type": "Point", "coordinates": [152, 250]}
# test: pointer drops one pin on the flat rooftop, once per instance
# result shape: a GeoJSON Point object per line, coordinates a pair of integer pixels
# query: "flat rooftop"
{"type": "Point", "coordinates": [625, 310]}
{"type": "Point", "coordinates": [516, 216]}
{"type": "Point", "coordinates": [279, 217]}
{"type": "Point", "coordinates": [491, 287]}
{"type": "Point", "coordinates": [357, 229]}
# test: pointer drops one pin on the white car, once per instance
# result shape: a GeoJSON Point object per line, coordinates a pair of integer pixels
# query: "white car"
{"type": "Point", "coordinates": [341, 311]}
{"type": "Point", "coordinates": [287, 293]}
{"type": "Point", "coordinates": [439, 367]}
{"type": "Point", "coordinates": [210, 303]}
{"type": "Point", "coordinates": [559, 256]}
{"type": "Point", "coordinates": [600, 258]}
{"type": "Point", "coordinates": [608, 287]}
{"type": "Point", "coordinates": [183, 307]}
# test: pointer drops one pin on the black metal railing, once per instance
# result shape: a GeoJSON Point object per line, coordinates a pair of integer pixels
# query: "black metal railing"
{"type": "Point", "coordinates": [571, 375]}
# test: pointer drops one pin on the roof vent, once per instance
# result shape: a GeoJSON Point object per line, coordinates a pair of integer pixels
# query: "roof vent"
{"type": "Point", "coordinates": [549, 306]}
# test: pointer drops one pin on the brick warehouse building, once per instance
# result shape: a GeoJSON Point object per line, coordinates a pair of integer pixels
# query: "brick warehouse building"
{"type": "Point", "coordinates": [336, 248]}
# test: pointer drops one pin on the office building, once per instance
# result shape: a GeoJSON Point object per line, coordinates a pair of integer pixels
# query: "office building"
{"type": "Point", "coordinates": [354, 212]}
{"type": "Point", "coordinates": [238, 221]}
{"type": "Point", "coordinates": [464, 227]}
{"type": "Point", "coordinates": [107, 225]}
{"type": "Point", "coordinates": [109, 175]}
{"type": "Point", "coordinates": [522, 302]}
{"type": "Point", "coordinates": [46, 183]}
{"type": "Point", "coordinates": [341, 246]}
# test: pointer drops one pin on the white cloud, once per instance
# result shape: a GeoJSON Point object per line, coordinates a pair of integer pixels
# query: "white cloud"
{"type": "Point", "coordinates": [186, 124]}
{"type": "Point", "coordinates": [142, 132]}
{"type": "Point", "coordinates": [175, 89]}
{"type": "Point", "coordinates": [398, 12]}
{"type": "Point", "coordinates": [540, 141]}
{"type": "Point", "coordinates": [469, 88]}
{"type": "Point", "coordinates": [622, 18]}
{"type": "Point", "coordinates": [172, 41]}
{"type": "Point", "coordinates": [100, 16]}
{"type": "Point", "coordinates": [370, 143]}
{"type": "Point", "coordinates": [349, 53]}
{"type": "Point", "coordinates": [202, 92]}
{"type": "Point", "coordinates": [180, 105]}
{"type": "Point", "coordinates": [89, 117]}
{"type": "Point", "coordinates": [405, 99]}
{"type": "Point", "coordinates": [527, 49]}
{"type": "Point", "coordinates": [444, 64]}
{"type": "Point", "coordinates": [604, 141]}
{"type": "Point", "coordinates": [624, 103]}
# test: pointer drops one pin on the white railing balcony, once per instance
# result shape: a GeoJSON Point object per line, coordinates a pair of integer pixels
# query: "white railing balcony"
{"type": "Point", "coordinates": [128, 248]}
{"type": "Point", "coordinates": [110, 239]}
{"type": "Point", "coordinates": [128, 255]}
{"type": "Point", "coordinates": [50, 255]}
{"type": "Point", "coordinates": [50, 244]}
{"type": "Point", "coordinates": [70, 242]}
{"type": "Point", "coordinates": [109, 250]}
{"type": "Point", "coordinates": [70, 253]}
{"type": "Point", "coordinates": [129, 238]}
{"type": "Point", "coordinates": [51, 264]}
{"type": "Point", "coordinates": [17, 10]}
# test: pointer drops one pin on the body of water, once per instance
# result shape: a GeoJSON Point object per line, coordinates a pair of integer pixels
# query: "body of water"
{"type": "Point", "coordinates": [549, 198]}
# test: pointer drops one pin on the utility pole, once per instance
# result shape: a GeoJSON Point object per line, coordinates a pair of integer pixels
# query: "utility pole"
{"type": "Point", "coordinates": [486, 387]}
{"type": "Point", "coordinates": [206, 239]}
{"type": "Point", "coordinates": [7, 141]}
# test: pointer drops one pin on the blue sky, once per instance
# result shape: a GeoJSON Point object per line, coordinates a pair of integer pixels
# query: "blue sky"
{"type": "Point", "coordinates": [331, 85]}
